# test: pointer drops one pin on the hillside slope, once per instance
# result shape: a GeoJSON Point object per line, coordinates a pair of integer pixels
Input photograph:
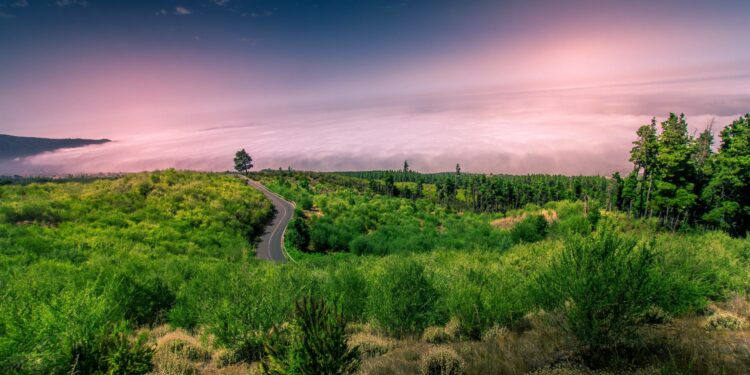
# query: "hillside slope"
{"type": "Point", "coordinates": [16, 147]}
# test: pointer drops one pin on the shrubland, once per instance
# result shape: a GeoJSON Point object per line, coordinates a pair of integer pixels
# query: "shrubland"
{"type": "Point", "coordinates": [83, 262]}
{"type": "Point", "coordinates": [158, 268]}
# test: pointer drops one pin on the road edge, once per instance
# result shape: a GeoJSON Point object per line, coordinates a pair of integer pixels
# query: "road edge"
{"type": "Point", "coordinates": [283, 233]}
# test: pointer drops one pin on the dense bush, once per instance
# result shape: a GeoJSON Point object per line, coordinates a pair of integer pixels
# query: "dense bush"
{"type": "Point", "coordinates": [603, 283]}
{"type": "Point", "coordinates": [349, 219]}
{"type": "Point", "coordinates": [317, 343]}
{"type": "Point", "coordinates": [348, 288]}
{"type": "Point", "coordinates": [112, 352]}
{"type": "Point", "coordinates": [531, 229]}
{"type": "Point", "coordinates": [298, 232]}
{"type": "Point", "coordinates": [143, 300]}
{"type": "Point", "coordinates": [404, 301]}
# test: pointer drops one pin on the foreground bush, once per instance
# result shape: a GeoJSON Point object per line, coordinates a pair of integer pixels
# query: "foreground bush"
{"type": "Point", "coordinates": [603, 283]}
{"type": "Point", "coordinates": [404, 301]}
{"type": "Point", "coordinates": [316, 344]}
{"type": "Point", "coordinates": [112, 353]}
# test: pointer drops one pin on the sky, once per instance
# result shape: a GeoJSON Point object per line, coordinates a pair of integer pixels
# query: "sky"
{"type": "Point", "coordinates": [498, 86]}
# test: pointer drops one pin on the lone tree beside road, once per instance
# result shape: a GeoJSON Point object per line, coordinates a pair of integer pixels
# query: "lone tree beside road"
{"type": "Point", "coordinates": [242, 161]}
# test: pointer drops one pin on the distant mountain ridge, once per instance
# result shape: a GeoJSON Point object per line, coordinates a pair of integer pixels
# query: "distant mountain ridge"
{"type": "Point", "coordinates": [15, 147]}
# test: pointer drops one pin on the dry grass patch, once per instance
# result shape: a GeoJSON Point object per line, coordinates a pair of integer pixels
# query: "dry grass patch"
{"type": "Point", "coordinates": [575, 369]}
{"type": "Point", "coordinates": [509, 222]}
{"type": "Point", "coordinates": [236, 369]}
{"type": "Point", "coordinates": [371, 345]}
{"type": "Point", "coordinates": [179, 352]}
{"type": "Point", "coordinates": [454, 329]}
{"type": "Point", "coordinates": [502, 351]}
{"type": "Point", "coordinates": [435, 335]}
{"type": "Point", "coordinates": [495, 333]}
{"type": "Point", "coordinates": [313, 212]}
{"type": "Point", "coordinates": [705, 345]}
{"type": "Point", "coordinates": [402, 359]}
{"type": "Point", "coordinates": [724, 320]}
{"type": "Point", "coordinates": [441, 361]}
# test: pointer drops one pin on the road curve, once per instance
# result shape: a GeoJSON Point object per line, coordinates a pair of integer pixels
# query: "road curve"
{"type": "Point", "coordinates": [271, 245]}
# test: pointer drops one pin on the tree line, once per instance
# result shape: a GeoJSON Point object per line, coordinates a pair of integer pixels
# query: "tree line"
{"type": "Point", "coordinates": [487, 193]}
{"type": "Point", "coordinates": [681, 180]}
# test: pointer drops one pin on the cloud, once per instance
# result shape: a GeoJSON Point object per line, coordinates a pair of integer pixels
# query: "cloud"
{"type": "Point", "coordinates": [182, 11]}
{"type": "Point", "coordinates": [20, 4]}
{"type": "Point", "coordinates": [265, 13]}
{"type": "Point", "coordinates": [65, 3]}
{"type": "Point", "coordinates": [178, 11]}
{"type": "Point", "coordinates": [6, 16]}
{"type": "Point", "coordinates": [251, 41]}
{"type": "Point", "coordinates": [221, 3]}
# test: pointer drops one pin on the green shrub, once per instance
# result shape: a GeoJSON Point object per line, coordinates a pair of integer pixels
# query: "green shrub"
{"type": "Point", "coordinates": [531, 229]}
{"type": "Point", "coordinates": [594, 215]}
{"type": "Point", "coordinates": [325, 235]}
{"type": "Point", "coordinates": [280, 348]}
{"type": "Point", "coordinates": [32, 212]}
{"type": "Point", "coordinates": [237, 302]}
{"type": "Point", "coordinates": [130, 358]}
{"type": "Point", "coordinates": [603, 283]}
{"type": "Point", "coordinates": [298, 233]}
{"type": "Point", "coordinates": [248, 348]}
{"type": "Point", "coordinates": [404, 300]}
{"type": "Point", "coordinates": [318, 345]}
{"type": "Point", "coordinates": [441, 361]}
{"type": "Point", "coordinates": [223, 358]}
{"type": "Point", "coordinates": [576, 224]}
{"type": "Point", "coordinates": [143, 300]}
{"type": "Point", "coordinates": [306, 202]}
{"type": "Point", "coordinates": [112, 352]}
{"type": "Point", "coordinates": [348, 288]}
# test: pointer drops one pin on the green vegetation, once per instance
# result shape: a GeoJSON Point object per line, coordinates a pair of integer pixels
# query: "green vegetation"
{"type": "Point", "coordinates": [81, 256]}
{"type": "Point", "coordinates": [678, 178]}
{"type": "Point", "coordinates": [482, 193]}
{"type": "Point", "coordinates": [604, 283]}
{"type": "Point", "coordinates": [316, 342]}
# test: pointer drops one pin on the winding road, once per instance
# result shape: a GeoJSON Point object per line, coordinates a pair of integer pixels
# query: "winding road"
{"type": "Point", "coordinates": [271, 245]}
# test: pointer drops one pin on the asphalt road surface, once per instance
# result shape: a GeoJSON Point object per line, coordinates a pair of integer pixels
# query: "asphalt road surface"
{"type": "Point", "coordinates": [271, 245]}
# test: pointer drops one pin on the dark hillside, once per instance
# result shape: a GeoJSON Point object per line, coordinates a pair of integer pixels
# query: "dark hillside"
{"type": "Point", "coordinates": [15, 147]}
